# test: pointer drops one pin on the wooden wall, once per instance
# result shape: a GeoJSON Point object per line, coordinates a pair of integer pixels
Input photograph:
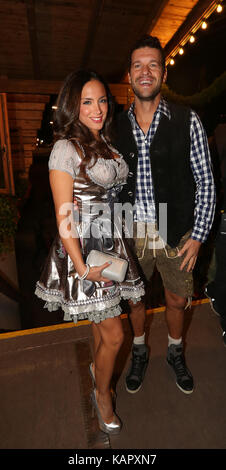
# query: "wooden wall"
{"type": "Point", "coordinates": [25, 113]}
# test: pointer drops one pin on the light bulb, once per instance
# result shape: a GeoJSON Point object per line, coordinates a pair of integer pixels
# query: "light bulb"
{"type": "Point", "coordinates": [172, 61]}
{"type": "Point", "coordinates": [192, 39]}
{"type": "Point", "coordinates": [181, 51]}
{"type": "Point", "coordinates": [204, 25]}
{"type": "Point", "coordinates": [219, 8]}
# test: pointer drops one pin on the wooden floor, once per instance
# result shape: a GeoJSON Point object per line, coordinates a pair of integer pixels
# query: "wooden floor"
{"type": "Point", "coordinates": [45, 389]}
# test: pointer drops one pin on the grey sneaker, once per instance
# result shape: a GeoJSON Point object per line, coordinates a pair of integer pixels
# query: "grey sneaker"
{"type": "Point", "coordinates": [176, 360]}
{"type": "Point", "coordinates": [136, 372]}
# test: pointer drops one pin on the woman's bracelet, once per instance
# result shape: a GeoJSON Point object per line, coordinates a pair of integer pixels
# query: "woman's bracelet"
{"type": "Point", "coordinates": [85, 274]}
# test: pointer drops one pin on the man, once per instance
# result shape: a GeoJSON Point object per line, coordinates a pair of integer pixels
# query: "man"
{"type": "Point", "coordinates": [167, 152]}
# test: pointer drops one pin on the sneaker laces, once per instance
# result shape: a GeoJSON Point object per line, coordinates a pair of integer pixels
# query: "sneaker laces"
{"type": "Point", "coordinates": [136, 365]}
{"type": "Point", "coordinates": [180, 366]}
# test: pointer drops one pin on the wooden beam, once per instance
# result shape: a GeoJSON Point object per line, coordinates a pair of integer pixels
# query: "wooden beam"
{"type": "Point", "coordinates": [31, 20]}
{"type": "Point", "coordinates": [156, 9]}
{"type": "Point", "coordinates": [195, 14]}
{"type": "Point", "coordinates": [92, 31]}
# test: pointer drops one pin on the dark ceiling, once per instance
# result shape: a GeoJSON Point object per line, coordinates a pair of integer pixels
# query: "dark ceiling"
{"type": "Point", "coordinates": [46, 39]}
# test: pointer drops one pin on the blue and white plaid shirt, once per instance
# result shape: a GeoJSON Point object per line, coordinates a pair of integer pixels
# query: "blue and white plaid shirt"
{"type": "Point", "coordinates": [200, 164]}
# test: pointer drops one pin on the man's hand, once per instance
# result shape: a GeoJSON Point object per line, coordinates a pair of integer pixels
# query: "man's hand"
{"type": "Point", "coordinates": [190, 249]}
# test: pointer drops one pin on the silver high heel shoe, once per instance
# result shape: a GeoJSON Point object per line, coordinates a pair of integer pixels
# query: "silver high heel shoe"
{"type": "Point", "coordinates": [109, 428]}
{"type": "Point", "coordinates": [92, 374]}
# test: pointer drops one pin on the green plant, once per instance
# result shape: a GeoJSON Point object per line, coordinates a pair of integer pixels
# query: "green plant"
{"type": "Point", "coordinates": [8, 221]}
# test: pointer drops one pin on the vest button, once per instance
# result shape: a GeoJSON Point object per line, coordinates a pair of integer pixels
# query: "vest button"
{"type": "Point", "coordinates": [131, 154]}
{"type": "Point", "coordinates": [130, 173]}
{"type": "Point", "coordinates": [130, 193]}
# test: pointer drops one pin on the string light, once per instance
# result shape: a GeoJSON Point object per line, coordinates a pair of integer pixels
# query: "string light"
{"type": "Point", "coordinates": [200, 23]}
{"type": "Point", "coordinates": [219, 8]}
{"type": "Point", "coordinates": [54, 107]}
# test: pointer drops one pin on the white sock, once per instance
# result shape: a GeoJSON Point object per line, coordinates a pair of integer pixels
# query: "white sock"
{"type": "Point", "coordinates": [174, 341]}
{"type": "Point", "coordinates": [139, 339]}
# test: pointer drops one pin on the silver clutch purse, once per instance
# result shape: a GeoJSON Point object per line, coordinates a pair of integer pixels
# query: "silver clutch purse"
{"type": "Point", "coordinates": [116, 271]}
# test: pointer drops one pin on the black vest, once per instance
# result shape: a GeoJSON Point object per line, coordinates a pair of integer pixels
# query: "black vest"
{"type": "Point", "coordinates": [170, 166]}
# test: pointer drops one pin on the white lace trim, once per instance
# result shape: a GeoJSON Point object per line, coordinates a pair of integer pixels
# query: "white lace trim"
{"type": "Point", "coordinates": [97, 317]}
{"type": "Point", "coordinates": [95, 309]}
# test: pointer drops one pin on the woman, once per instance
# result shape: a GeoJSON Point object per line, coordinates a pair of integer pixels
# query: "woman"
{"type": "Point", "coordinates": [86, 168]}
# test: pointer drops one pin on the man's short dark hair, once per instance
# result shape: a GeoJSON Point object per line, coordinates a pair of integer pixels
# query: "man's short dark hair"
{"type": "Point", "coordinates": [147, 41]}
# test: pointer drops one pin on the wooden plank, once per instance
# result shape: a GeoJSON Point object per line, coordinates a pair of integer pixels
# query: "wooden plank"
{"type": "Point", "coordinates": [30, 146]}
{"type": "Point", "coordinates": [24, 124]}
{"type": "Point", "coordinates": [25, 114]}
{"type": "Point", "coordinates": [18, 96]}
{"type": "Point", "coordinates": [26, 106]}
{"type": "Point", "coordinates": [27, 154]}
{"type": "Point", "coordinates": [23, 132]}
{"type": "Point", "coordinates": [120, 89]}
{"type": "Point", "coordinates": [121, 100]}
{"type": "Point", "coordinates": [16, 139]}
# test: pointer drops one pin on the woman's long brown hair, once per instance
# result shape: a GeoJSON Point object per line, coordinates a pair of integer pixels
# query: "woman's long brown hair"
{"type": "Point", "coordinates": [66, 123]}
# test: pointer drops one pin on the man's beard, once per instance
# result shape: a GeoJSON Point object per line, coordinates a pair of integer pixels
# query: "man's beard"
{"type": "Point", "coordinates": [150, 97]}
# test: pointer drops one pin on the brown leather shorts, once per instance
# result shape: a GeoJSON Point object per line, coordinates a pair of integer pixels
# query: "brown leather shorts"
{"type": "Point", "coordinates": [167, 263]}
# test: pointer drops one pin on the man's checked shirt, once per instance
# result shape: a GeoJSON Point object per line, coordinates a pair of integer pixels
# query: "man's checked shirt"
{"type": "Point", "coordinates": [200, 165]}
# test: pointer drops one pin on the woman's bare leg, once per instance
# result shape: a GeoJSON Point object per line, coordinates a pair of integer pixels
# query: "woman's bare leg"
{"type": "Point", "coordinates": [111, 338]}
{"type": "Point", "coordinates": [96, 343]}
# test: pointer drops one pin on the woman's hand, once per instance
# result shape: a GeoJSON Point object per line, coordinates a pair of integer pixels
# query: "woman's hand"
{"type": "Point", "coordinates": [95, 273]}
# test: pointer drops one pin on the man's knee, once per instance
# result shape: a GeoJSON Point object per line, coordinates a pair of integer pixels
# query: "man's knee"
{"type": "Point", "coordinates": [174, 300]}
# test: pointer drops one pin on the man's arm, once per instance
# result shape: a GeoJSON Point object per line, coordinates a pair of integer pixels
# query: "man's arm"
{"type": "Point", "coordinates": [205, 196]}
